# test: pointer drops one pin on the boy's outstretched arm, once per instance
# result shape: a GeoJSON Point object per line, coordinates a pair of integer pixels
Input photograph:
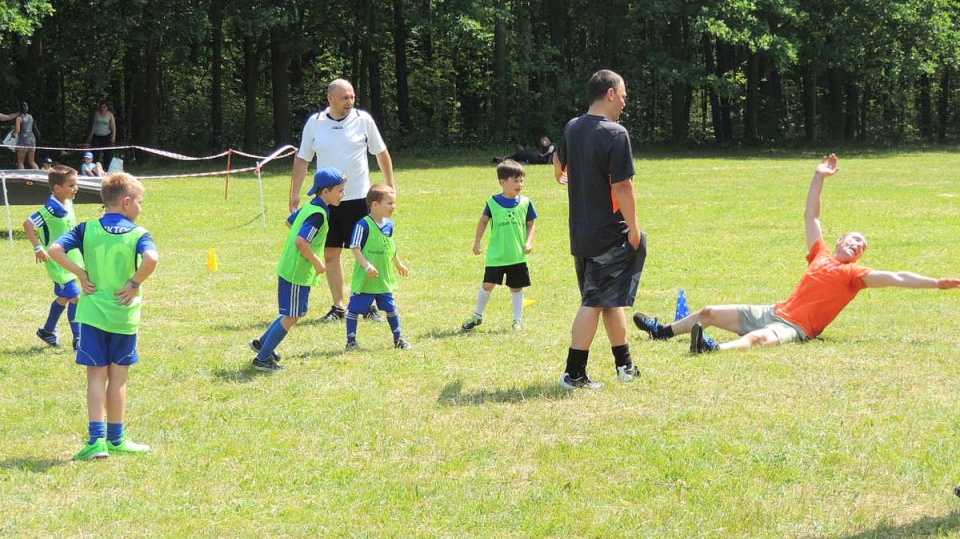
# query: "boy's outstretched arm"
{"type": "Point", "coordinates": [811, 217]}
{"type": "Point", "coordinates": [906, 279]}
{"type": "Point", "coordinates": [531, 230]}
{"type": "Point", "coordinates": [401, 267]}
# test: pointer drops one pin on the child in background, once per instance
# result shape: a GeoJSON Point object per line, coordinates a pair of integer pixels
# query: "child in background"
{"type": "Point", "coordinates": [119, 255]}
{"type": "Point", "coordinates": [47, 165]}
{"type": "Point", "coordinates": [89, 168]}
{"type": "Point", "coordinates": [512, 226]}
{"type": "Point", "coordinates": [375, 273]}
{"type": "Point", "coordinates": [55, 218]}
{"type": "Point", "coordinates": [300, 264]}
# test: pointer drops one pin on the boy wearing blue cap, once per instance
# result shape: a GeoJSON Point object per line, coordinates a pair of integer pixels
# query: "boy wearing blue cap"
{"type": "Point", "coordinates": [300, 264]}
{"type": "Point", "coordinates": [89, 168]}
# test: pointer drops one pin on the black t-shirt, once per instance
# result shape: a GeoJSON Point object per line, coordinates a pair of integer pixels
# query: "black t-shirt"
{"type": "Point", "coordinates": [596, 153]}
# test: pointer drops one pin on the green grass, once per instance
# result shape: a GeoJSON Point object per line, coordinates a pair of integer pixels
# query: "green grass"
{"type": "Point", "coordinates": [468, 435]}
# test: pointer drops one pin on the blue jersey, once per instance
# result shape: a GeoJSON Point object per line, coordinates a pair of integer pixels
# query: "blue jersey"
{"type": "Point", "coordinates": [510, 203]}
{"type": "Point", "coordinates": [312, 224]}
{"type": "Point", "coordinates": [361, 232]}
{"type": "Point", "coordinates": [113, 223]}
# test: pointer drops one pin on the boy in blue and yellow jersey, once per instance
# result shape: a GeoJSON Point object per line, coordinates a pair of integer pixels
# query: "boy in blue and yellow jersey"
{"type": "Point", "coordinates": [512, 221]}
{"type": "Point", "coordinates": [375, 273]}
{"type": "Point", "coordinates": [43, 228]}
{"type": "Point", "coordinates": [300, 264]}
{"type": "Point", "coordinates": [118, 255]}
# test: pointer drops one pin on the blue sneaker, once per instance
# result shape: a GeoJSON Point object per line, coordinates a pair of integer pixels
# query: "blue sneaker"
{"type": "Point", "coordinates": [651, 326]}
{"type": "Point", "coordinates": [699, 342]}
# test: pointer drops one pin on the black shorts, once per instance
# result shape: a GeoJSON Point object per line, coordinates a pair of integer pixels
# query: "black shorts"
{"type": "Point", "coordinates": [342, 220]}
{"type": "Point", "coordinates": [611, 279]}
{"type": "Point", "coordinates": [518, 276]}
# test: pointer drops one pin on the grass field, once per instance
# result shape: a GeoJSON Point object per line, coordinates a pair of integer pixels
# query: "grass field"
{"type": "Point", "coordinates": [854, 435]}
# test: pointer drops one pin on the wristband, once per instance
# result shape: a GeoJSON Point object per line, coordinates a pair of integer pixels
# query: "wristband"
{"type": "Point", "coordinates": [37, 248]}
{"type": "Point", "coordinates": [134, 284]}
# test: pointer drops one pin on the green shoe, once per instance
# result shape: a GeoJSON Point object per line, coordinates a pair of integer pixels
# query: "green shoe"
{"type": "Point", "coordinates": [96, 450]}
{"type": "Point", "coordinates": [126, 446]}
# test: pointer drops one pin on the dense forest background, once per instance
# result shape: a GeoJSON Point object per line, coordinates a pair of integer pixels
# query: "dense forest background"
{"type": "Point", "coordinates": [201, 75]}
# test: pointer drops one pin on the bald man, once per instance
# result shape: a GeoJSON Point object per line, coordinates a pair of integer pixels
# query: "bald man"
{"type": "Point", "coordinates": [340, 136]}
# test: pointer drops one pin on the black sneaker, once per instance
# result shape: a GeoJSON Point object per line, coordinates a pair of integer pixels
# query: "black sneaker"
{"type": "Point", "coordinates": [76, 343]}
{"type": "Point", "coordinates": [957, 491]}
{"type": "Point", "coordinates": [255, 345]}
{"type": "Point", "coordinates": [352, 345]}
{"type": "Point", "coordinates": [266, 365]}
{"type": "Point", "coordinates": [402, 344]}
{"type": "Point", "coordinates": [374, 314]}
{"type": "Point", "coordinates": [651, 326]}
{"type": "Point", "coordinates": [471, 323]}
{"type": "Point", "coordinates": [566, 382]}
{"type": "Point", "coordinates": [50, 337]}
{"type": "Point", "coordinates": [335, 314]}
{"type": "Point", "coordinates": [699, 342]}
{"type": "Point", "coordinates": [625, 373]}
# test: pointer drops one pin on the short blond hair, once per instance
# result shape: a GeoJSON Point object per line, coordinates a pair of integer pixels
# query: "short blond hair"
{"type": "Point", "coordinates": [118, 185]}
{"type": "Point", "coordinates": [378, 192]}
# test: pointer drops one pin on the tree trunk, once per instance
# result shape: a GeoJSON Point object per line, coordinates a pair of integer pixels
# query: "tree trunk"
{"type": "Point", "coordinates": [834, 121]}
{"type": "Point", "coordinates": [809, 89]}
{"type": "Point", "coordinates": [151, 104]}
{"type": "Point", "coordinates": [751, 107]}
{"type": "Point", "coordinates": [216, 73]}
{"type": "Point", "coordinates": [251, 78]}
{"type": "Point", "coordinates": [280, 79]}
{"type": "Point", "coordinates": [500, 85]}
{"type": "Point", "coordinates": [943, 104]}
{"type": "Point", "coordinates": [376, 94]}
{"type": "Point", "coordinates": [711, 67]}
{"type": "Point", "coordinates": [852, 94]}
{"type": "Point", "coordinates": [924, 107]}
{"type": "Point", "coordinates": [679, 91]}
{"type": "Point", "coordinates": [400, 64]}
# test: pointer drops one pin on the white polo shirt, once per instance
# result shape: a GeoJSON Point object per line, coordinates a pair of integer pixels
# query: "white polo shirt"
{"type": "Point", "coordinates": [342, 144]}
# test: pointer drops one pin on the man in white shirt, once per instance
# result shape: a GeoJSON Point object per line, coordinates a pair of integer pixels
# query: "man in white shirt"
{"type": "Point", "coordinates": [340, 136]}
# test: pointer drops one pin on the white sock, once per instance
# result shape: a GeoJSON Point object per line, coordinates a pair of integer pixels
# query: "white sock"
{"type": "Point", "coordinates": [517, 304]}
{"type": "Point", "coordinates": [482, 299]}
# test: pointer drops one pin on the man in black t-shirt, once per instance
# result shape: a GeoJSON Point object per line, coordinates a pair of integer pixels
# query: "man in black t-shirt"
{"type": "Point", "coordinates": [595, 160]}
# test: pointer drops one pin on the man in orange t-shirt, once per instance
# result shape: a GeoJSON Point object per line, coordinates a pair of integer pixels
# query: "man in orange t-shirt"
{"type": "Point", "coordinates": [830, 282]}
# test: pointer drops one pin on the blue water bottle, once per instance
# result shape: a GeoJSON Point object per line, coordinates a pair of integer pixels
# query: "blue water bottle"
{"type": "Point", "coordinates": [683, 310]}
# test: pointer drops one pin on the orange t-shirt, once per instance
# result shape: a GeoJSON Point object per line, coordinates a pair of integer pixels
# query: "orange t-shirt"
{"type": "Point", "coordinates": [825, 289]}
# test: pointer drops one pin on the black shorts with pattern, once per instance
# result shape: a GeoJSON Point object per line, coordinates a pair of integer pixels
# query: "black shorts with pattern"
{"type": "Point", "coordinates": [611, 279]}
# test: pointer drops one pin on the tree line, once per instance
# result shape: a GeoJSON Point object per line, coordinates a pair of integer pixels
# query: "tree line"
{"type": "Point", "coordinates": [202, 75]}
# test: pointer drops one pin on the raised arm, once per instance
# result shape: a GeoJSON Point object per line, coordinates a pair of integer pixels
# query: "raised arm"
{"type": "Point", "coordinates": [906, 279]}
{"type": "Point", "coordinates": [811, 217]}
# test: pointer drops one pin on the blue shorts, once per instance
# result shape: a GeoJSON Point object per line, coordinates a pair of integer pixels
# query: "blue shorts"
{"type": "Point", "coordinates": [294, 299]}
{"type": "Point", "coordinates": [67, 291]}
{"type": "Point", "coordinates": [360, 303]}
{"type": "Point", "coordinates": [99, 348]}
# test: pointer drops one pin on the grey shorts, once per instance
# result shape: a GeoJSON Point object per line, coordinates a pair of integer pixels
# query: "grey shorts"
{"type": "Point", "coordinates": [754, 317]}
{"type": "Point", "coordinates": [611, 279]}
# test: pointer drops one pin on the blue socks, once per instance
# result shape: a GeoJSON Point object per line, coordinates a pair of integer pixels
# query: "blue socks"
{"type": "Point", "coordinates": [352, 326]}
{"type": "Point", "coordinates": [393, 318]}
{"type": "Point", "coordinates": [114, 432]}
{"type": "Point", "coordinates": [55, 311]}
{"type": "Point", "coordinates": [97, 429]}
{"type": "Point", "coordinates": [271, 338]}
{"type": "Point", "coordinates": [71, 317]}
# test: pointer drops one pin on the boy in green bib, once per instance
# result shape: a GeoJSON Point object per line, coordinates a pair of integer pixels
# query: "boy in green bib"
{"type": "Point", "coordinates": [375, 273]}
{"type": "Point", "coordinates": [43, 228]}
{"type": "Point", "coordinates": [301, 264]}
{"type": "Point", "coordinates": [118, 255]}
{"type": "Point", "coordinates": [512, 219]}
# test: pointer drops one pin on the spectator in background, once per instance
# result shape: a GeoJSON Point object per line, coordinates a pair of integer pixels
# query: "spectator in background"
{"type": "Point", "coordinates": [47, 164]}
{"type": "Point", "coordinates": [27, 135]}
{"type": "Point", "coordinates": [89, 168]}
{"type": "Point", "coordinates": [527, 157]}
{"type": "Point", "coordinates": [103, 132]}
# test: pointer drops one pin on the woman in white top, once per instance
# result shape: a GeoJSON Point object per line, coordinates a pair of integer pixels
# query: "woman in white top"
{"type": "Point", "coordinates": [103, 132]}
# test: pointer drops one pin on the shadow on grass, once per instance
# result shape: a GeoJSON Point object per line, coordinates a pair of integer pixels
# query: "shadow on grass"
{"type": "Point", "coordinates": [251, 326]}
{"type": "Point", "coordinates": [32, 351]}
{"type": "Point", "coordinates": [30, 465]}
{"type": "Point", "coordinates": [941, 526]}
{"type": "Point", "coordinates": [452, 394]}
{"type": "Point", "coordinates": [243, 375]}
{"type": "Point", "coordinates": [446, 333]}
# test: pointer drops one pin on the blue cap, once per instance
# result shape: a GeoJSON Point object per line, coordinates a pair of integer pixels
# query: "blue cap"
{"type": "Point", "coordinates": [326, 177]}
{"type": "Point", "coordinates": [88, 155]}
